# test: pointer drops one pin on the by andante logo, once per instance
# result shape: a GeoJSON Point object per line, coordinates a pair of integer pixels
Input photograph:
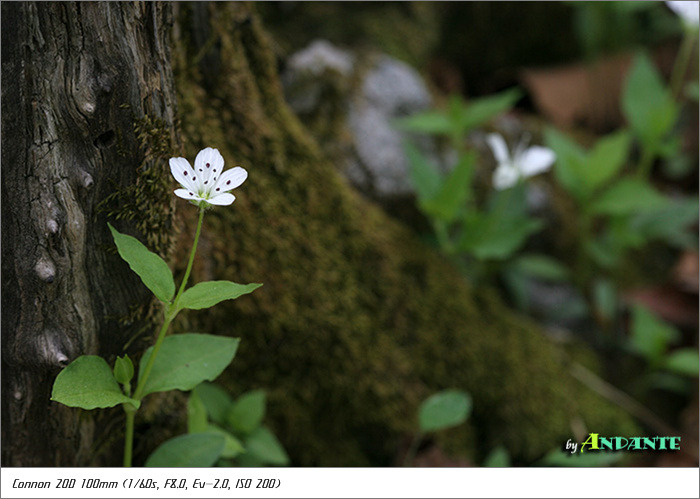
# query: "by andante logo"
{"type": "Point", "coordinates": [595, 442]}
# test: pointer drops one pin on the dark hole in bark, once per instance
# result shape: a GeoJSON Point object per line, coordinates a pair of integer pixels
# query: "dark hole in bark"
{"type": "Point", "coordinates": [106, 139]}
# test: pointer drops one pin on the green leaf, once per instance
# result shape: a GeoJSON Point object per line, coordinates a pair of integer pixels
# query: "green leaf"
{"type": "Point", "coordinates": [454, 191]}
{"type": "Point", "coordinates": [650, 335]}
{"type": "Point", "coordinates": [232, 446]}
{"type": "Point", "coordinates": [264, 446]}
{"type": "Point", "coordinates": [498, 458]}
{"type": "Point", "coordinates": [123, 369]}
{"type": "Point", "coordinates": [444, 409]}
{"type": "Point", "coordinates": [518, 286]}
{"type": "Point", "coordinates": [248, 461]}
{"type": "Point", "coordinates": [669, 382]}
{"type": "Point", "coordinates": [88, 383]}
{"type": "Point", "coordinates": [426, 179]}
{"type": "Point", "coordinates": [196, 415]}
{"type": "Point", "coordinates": [151, 268]}
{"type": "Point", "coordinates": [208, 294]}
{"type": "Point", "coordinates": [628, 196]}
{"type": "Point", "coordinates": [542, 267]}
{"type": "Point", "coordinates": [571, 162]}
{"type": "Point", "coordinates": [460, 117]}
{"type": "Point", "coordinates": [672, 223]}
{"type": "Point", "coordinates": [185, 360]}
{"type": "Point", "coordinates": [216, 401]}
{"type": "Point", "coordinates": [683, 361]}
{"type": "Point", "coordinates": [480, 111]}
{"type": "Point", "coordinates": [431, 122]}
{"type": "Point", "coordinates": [692, 91]}
{"type": "Point", "coordinates": [602, 253]}
{"type": "Point", "coordinates": [247, 412]}
{"type": "Point", "coordinates": [195, 450]}
{"type": "Point", "coordinates": [197, 423]}
{"type": "Point", "coordinates": [647, 104]}
{"type": "Point", "coordinates": [622, 234]}
{"type": "Point", "coordinates": [456, 112]}
{"type": "Point", "coordinates": [490, 237]}
{"type": "Point", "coordinates": [598, 459]}
{"type": "Point", "coordinates": [606, 159]}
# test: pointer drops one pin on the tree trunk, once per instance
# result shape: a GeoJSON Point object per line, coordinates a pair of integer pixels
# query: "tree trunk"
{"type": "Point", "coordinates": [88, 115]}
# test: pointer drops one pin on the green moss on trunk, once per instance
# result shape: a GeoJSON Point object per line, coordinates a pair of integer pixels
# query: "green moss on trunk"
{"type": "Point", "coordinates": [357, 320]}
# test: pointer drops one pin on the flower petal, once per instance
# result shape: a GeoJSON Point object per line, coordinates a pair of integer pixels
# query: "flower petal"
{"type": "Point", "coordinates": [222, 199]}
{"type": "Point", "coordinates": [505, 177]}
{"type": "Point", "coordinates": [207, 164]}
{"type": "Point", "coordinates": [498, 146]}
{"type": "Point", "coordinates": [535, 160]}
{"type": "Point", "coordinates": [182, 171]}
{"type": "Point", "coordinates": [186, 194]}
{"type": "Point", "coordinates": [688, 11]}
{"type": "Point", "coordinates": [231, 179]}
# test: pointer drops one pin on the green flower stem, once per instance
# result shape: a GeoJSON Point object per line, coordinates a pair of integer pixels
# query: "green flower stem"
{"type": "Point", "coordinates": [645, 163]}
{"type": "Point", "coordinates": [191, 261]}
{"type": "Point", "coordinates": [581, 275]}
{"type": "Point", "coordinates": [159, 341]}
{"type": "Point", "coordinates": [680, 67]}
{"type": "Point", "coordinates": [443, 236]}
{"type": "Point", "coordinates": [170, 314]}
{"type": "Point", "coordinates": [129, 434]}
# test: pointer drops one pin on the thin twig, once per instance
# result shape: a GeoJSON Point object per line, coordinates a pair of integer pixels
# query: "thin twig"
{"type": "Point", "coordinates": [623, 400]}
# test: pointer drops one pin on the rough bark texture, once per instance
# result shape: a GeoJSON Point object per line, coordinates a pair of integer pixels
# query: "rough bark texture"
{"type": "Point", "coordinates": [357, 321]}
{"type": "Point", "coordinates": [87, 113]}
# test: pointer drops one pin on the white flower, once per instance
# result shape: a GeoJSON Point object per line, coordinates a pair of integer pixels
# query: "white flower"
{"type": "Point", "coordinates": [208, 182]}
{"type": "Point", "coordinates": [688, 11]}
{"type": "Point", "coordinates": [525, 162]}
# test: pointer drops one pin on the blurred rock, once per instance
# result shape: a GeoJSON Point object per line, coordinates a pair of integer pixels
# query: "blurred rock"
{"type": "Point", "coordinates": [312, 69]}
{"type": "Point", "coordinates": [350, 104]}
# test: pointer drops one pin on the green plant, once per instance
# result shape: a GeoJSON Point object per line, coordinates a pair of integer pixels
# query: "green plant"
{"type": "Point", "coordinates": [440, 411]}
{"type": "Point", "coordinates": [497, 458]}
{"type": "Point", "coordinates": [609, 27]}
{"type": "Point", "coordinates": [178, 362]}
{"type": "Point", "coordinates": [479, 234]}
{"type": "Point", "coordinates": [652, 339]}
{"type": "Point", "coordinates": [237, 423]}
{"type": "Point", "coordinates": [618, 207]}
{"type": "Point", "coordinates": [460, 117]}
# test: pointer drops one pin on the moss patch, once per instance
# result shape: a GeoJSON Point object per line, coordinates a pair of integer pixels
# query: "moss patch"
{"type": "Point", "coordinates": [357, 320]}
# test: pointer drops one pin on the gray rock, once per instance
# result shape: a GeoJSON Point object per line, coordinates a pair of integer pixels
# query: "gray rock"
{"type": "Point", "coordinates": [372, 94]}
{"type": "Point", "coordinates": [310, 70]}
{"type": "Point", "coordinates": [395, 87]}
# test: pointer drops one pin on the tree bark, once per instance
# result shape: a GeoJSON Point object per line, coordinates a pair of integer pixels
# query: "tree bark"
{"type": "Point", "coordinates": [88, 114]}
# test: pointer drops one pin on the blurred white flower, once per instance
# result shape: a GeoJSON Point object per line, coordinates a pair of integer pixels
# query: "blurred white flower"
{"type": "Point", "coordinates": [525, 162]}
{"type": "Point", "coordinates": [688, 11]}
{"type": "Point", "coordinates": [208, 183]}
